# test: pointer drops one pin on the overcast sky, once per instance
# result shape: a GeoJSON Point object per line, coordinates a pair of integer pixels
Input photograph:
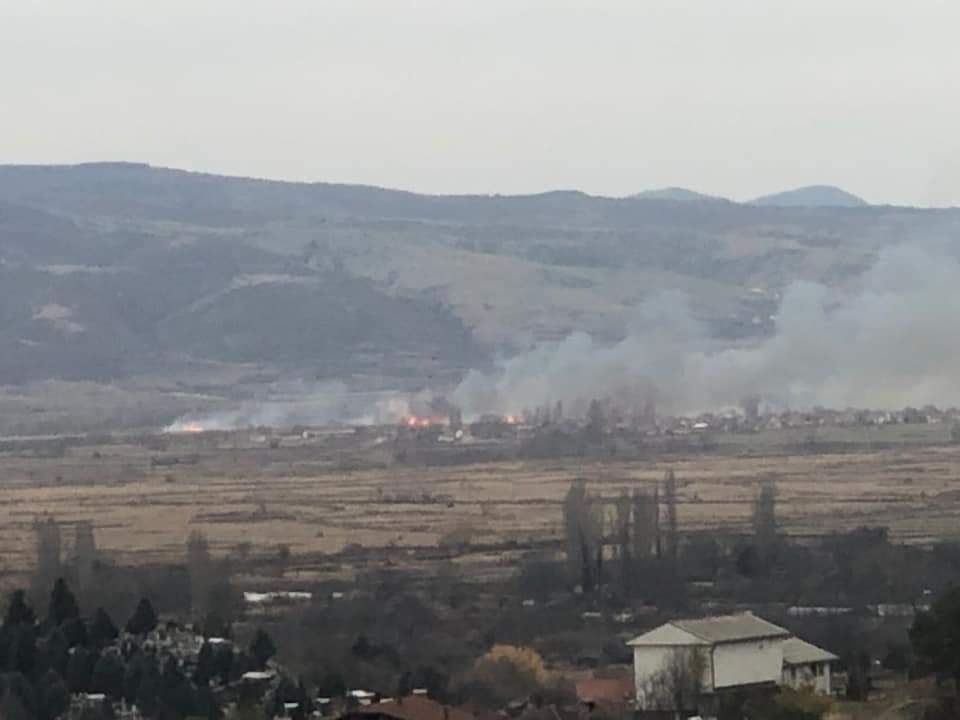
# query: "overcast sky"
{"type": "Point", "coordinates": [730, 97]}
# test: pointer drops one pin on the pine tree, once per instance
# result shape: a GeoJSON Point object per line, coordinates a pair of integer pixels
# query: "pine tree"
{"type": "Point", "coordinates": [18, 611]}
{"type": "Point", "coordinates": [262, 648]}
{"type": "Point", "coordinates": [52, 696]}
{"type": "Point", "coordinates": [80, 670]}
{"type": "Point", "coordinates": [108, 676]}
{"type": "Point", "coordinates": [102, 632]}
{"type": "Point", "coordinates": [144, 619]}
{"type": "Point", "coordinates": [206, 666]}
{"type": "Point", "coordinates": [63, 605]}
{"type": "Point", "coordinates": [23, 649]}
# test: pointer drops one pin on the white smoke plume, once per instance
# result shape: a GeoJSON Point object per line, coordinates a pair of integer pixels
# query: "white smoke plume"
{"type": "Point", "coordinates": [308, 404]}
{"type": "Point", "coordinates": [893, 342]}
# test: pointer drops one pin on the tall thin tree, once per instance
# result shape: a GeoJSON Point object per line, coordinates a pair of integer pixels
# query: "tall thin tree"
{"type": "Point", "coordinates": [671, 524]}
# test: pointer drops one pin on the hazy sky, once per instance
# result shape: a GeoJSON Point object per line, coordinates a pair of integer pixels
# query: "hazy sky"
{"type": "Point", "coordinates": [733, 97]}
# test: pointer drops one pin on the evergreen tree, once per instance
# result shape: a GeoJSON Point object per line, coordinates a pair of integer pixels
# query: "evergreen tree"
{"type": "Point", "coordinates": [102, 631]}
{"type": "Point", "coordinates": [56, 653]}
{"type": "Point", "coordinates": [52, 696]}
{"type": "Point", "coordinates": [12, 707]}
{"type": "Point", "coordinates": [207, 705]}
{"type": "Point", "coordinates": [18, 611]}
{"type": "Point", "coordinates": [63, 605]}
{"type": "Point", "coordinates": [935, 634]}
{"type": "Point", "coordinates": [75, 630]}
{"type": "Point", "coordinates": [22, 649]}
{"type": "Point", "coordinates": [144, 619]}
{"type": "Point", "coordinates": [206, 665]}
{"type": "Point", "coordinates": [108, 676]}
{"type": "Point", "coordinates": [223, 662]}
{"type": "Point", "coordinates": [148, 686]}
{"type": "Point", "coordinates": [303, 698]}
{"type": "Point", "coordinates": [80, 670]}
{"type": "Point", "coordinates": [177, 695]}
{"type": "Point", "coordinates": [332, 686]}
{"type": "Point", "coordinates": [262, 648]}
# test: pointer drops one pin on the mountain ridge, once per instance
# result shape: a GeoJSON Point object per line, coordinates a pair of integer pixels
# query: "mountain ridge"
{"type": "Point", "coordinates": [125, 266]}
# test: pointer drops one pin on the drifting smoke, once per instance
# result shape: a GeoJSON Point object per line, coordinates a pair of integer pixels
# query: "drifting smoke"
{"type": "Point", "coordinates": [309, 404]}
{"type": "Point", "coordinates": [890, 344]}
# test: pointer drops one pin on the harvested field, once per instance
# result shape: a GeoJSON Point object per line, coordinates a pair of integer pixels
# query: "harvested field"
{"type": "Point", "coordinates": [303, 495]}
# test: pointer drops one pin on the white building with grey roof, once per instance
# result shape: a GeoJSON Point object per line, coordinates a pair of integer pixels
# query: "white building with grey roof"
{"type": "Point", "coordinates": [806, 666]}
{"type": "Point", "coordinates": [727, 652]}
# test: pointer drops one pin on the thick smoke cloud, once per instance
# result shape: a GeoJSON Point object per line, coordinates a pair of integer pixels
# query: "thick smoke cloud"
{"type": "Point", "coordinates": [891, 343]}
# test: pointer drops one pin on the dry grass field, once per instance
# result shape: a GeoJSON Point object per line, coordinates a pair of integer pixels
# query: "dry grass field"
{"type": "Point", "coordinates": [304, 494]}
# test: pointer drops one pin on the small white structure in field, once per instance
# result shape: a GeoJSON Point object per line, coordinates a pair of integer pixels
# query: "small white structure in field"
{"type": "Point", "coordinates": [806, 666]}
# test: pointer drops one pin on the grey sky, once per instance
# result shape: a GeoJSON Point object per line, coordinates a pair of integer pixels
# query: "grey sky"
{"type": "Point", "coordinates": [733, 97]}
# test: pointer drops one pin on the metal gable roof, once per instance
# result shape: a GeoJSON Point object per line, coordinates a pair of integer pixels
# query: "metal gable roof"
{"type": "Point", "coordinates": [800, 652]}
{"type": "Point", "coordinates": [712, 630]}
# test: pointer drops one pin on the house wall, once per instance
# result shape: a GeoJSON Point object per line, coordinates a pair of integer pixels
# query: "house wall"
{"type": "Point", "coordinates": [815, 676]}
{"type": "Point", "coordinates": [648, 660]}
{"type": "Point", "coordinates": [747, 663]}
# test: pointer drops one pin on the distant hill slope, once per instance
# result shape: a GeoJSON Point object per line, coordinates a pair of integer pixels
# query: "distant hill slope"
{"type": "Point", "coordinates": [813, 196]}
{"type": "Point", "coordinates": [112, 269]}
{"type": "Point", "coordinates": [678, 194]}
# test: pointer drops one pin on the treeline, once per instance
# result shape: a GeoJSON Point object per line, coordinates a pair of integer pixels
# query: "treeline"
{"type": "Point", "coordinates": [633, 548]}
{"type": "Point", "coordinates": [45, 661]}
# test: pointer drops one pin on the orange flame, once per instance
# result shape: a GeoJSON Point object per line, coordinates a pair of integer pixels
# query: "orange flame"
{"type": "Point", "coordinates": [414, 421]}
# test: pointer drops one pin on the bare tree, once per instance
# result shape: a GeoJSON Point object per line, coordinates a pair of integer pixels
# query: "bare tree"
{"type": "Point", "coordinates": [678, 684]}
{"type": "Point", "coordinates": [646, 523]}
{"type": "Point", "coordinates": [84, 553]}
{"type": "Point", "coordinates": [49, 562]}
{"type": "Point", "coordinates": [622, 526]}
{"type": "Point", "coordinates": [582, 530]}
{"type": "Point", "coordinates": [751, 409]}
{"type": "Point", "coordinates": [596, 421]}
{"type": "Point", "coordinates": [765, 516]}
{"type": "Point", "coordinates": [199, 567]}
{"type": "Point", "coordinates": [671, 530]}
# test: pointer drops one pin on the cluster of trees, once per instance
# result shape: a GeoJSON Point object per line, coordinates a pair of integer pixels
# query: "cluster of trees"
{"type": "Point", "coordinates": [43, 661]}
{"type": "Point", "coordinates": [214, 602]}
{"type": "Point", "coordinates": [200, 588]}
{"type": "Point", "coordinates": [634, 549]}
{"type": "Point", "coordinates": [642, 542]}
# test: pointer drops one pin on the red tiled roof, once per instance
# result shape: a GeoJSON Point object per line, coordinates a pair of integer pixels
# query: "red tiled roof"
{"type": "Point", "coordinates": [605, 690]}
{"type": "Point", "coordinates": [413, 707]}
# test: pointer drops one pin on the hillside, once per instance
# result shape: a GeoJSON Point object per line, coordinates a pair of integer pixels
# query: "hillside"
{"type": "Point", "coordinates": [113, 270]}
{"type": "Point", "coordinates": [814, 196]}
{"type": "Point", "coordinates": [678, 194]}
